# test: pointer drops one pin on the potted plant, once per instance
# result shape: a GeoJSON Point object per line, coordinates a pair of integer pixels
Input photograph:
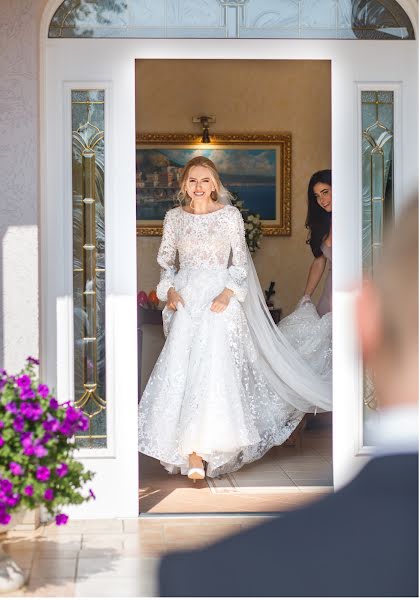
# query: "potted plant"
{"type": "Point", "coordinates": [37, 467]}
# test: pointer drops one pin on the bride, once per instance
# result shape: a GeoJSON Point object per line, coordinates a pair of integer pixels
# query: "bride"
{"type": "Point", "coordinates": [228, 385]}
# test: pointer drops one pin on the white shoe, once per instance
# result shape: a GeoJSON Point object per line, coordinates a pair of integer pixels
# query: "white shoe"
{"type": "Point", "coordinates": [195, 473]}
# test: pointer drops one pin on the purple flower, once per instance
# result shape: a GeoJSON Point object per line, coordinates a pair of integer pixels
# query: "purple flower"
{"type": "Point", "coordinates": [6, 486]}
{"type": "Point", "coordinates": [24, 382]}
{"type": "Point", "coordinates": [83, 423]}
{"type": "Point", "coordinates": [12, 408]}
{"type": "Point", "coordinates": [66, 429]}
{"type": "Point", "coordinates": [29, 490]}
{"type": "Point", "coordinates": [16, 468]}
{"type": "Point", "coordinates": [5, 518]}
{"type": "Point", "coordinates": [2, 383]}
{"type": "Point", "coordinates": [39, 450]}
{"type": "Point", "coordinates": [37, 411]}
{"type": "Point", "coordinates": [1, 424]}
{"type": "Point", "coordinates": [1, 442]}
{"type": "Point", "coordinates": [43, 390]}
{"type": "Point", "coordinates": [32, 360]}
{"type": "Point", "coordinates": [19, 424]}
{"type": "Point", "coordinates": [27, 394]}
{"type": "Point", "coordinates": [72, 415]}
{"type": "Point", "coordinates": [43, 473]}
{"type": "Point", "coordinates": [62, 470]}
{"type": "Point", "coordinates": [51, 425]}
{"type": "Point", "coordinates": [91, 494]}
{"type": "Point", "coordinates": [49, 494]}
{"type": "Point", "coordinates": [26, 441]}
{"type": "Point", "coordinates": [61, 519]}
{"type": "Point", "coordinates": [53, 404]}
{"type": "Point", "coordinates": [26, 410]}
{"type": "Point", "coordinates": [13, 500]}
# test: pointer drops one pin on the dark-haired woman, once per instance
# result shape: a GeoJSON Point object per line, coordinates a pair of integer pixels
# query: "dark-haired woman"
{"type": "Point", "coordinates": [309, 328]}
{"type": "Point", "coordinates": [318, 222]}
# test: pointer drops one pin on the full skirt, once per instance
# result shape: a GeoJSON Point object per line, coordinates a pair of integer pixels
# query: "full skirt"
{"type": "Point", "coordinates": [206, 393]}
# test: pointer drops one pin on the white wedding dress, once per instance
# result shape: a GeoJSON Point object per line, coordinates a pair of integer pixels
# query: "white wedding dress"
{"type": "Point", "coordinates": [211, 391]}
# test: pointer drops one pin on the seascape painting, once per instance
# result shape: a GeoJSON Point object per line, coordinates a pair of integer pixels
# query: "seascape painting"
{"type": "Point", "coordinates": [253, 172]}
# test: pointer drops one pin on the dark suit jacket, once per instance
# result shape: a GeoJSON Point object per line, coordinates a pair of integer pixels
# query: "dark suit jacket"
{"type": "Point", "coordinates": [360, 541]}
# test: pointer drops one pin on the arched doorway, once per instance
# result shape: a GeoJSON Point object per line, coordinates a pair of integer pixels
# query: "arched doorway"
{"type": "Point", "coordinates": [72, 66]}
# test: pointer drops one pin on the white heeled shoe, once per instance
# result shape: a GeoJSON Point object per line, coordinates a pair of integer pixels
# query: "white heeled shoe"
{"type": "Point", "coordinates": [195, 473]}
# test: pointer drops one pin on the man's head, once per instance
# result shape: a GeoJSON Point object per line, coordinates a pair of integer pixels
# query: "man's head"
{"type": "Point", "coordinates": [387, 315]}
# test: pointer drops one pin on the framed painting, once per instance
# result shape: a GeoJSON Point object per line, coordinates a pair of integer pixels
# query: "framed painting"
{"type": "Point", "coordinates": [257, 168]}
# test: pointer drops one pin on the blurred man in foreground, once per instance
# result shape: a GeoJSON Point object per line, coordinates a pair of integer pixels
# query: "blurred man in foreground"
{"type": "Point", "coordinates": [362, 540]}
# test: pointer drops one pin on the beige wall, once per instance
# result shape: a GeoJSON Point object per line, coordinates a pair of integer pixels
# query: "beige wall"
{"type": "Point", "coordinates": [19, 171]}
{"type": "Point", "coordinates": [246, 96]}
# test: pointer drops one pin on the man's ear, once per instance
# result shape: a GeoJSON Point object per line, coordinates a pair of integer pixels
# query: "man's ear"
{"type": "Point", "coordinates": [368, 320]}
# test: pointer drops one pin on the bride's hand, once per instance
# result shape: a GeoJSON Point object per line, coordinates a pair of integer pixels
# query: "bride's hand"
{"type": "Point", "coordinates": [173, 299]}
{"type": "Point", "coordinates": [221, 302]}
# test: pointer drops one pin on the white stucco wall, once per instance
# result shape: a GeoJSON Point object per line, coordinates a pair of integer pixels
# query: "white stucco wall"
{"type": "Point", "coordinates": [19, 156]}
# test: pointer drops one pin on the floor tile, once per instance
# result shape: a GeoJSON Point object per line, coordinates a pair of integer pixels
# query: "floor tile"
{"type": "Point", "coordinates": [39, 588]}
{"type": "Point", "coordinates": [114, 587]}
{"type": "Point", "coordinates": [103, 568]}
{"type": "Point", "coordinates": [53, 569]}
{"type": "Point", "coordinates": [110, 542]}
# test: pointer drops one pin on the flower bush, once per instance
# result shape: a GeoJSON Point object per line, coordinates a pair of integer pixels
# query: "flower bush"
{"type": "Point", "coordinates": [37, 467]}
{"type": "Point", "coordinates": [252, 223]}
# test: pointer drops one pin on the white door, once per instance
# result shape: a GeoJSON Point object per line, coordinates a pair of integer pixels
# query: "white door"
{"type": "Point", "coordinates": [108, 65]}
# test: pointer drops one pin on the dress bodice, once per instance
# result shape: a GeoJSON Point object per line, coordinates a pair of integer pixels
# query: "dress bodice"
{"type": "Point", "coordinates": [204, 241]}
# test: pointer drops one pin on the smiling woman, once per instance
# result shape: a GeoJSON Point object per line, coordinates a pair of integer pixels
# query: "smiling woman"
{"type": "Point", "coordinates": [226, 387]}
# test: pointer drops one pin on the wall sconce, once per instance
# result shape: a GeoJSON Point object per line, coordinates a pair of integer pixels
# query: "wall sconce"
{"type": "Point", "coordinates": [205, 122]}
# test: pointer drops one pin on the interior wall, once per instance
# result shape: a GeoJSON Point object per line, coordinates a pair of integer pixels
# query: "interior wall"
{"type": "Point", "coordinates": [246, 96]}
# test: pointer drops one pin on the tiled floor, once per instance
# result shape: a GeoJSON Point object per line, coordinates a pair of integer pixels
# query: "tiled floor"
{"type": "Point", "coordinates": [109, 558]}
{"type": "Point", "coordinates": [283, 479]}
{"type": "Point", "coordinates": [119, 558]}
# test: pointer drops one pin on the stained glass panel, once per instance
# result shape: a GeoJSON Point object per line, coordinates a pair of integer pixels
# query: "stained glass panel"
{"type": "Point", "coordinates": [378, 204]}
{"type": "Point", "coordinates": [316, 19]}
{"type": "Point", "coordinates": [89, 262]}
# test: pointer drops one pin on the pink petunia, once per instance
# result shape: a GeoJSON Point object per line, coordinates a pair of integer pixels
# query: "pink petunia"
{"type": "Point", "coordinates": [43, 473]}
{"type": "Point", "coordinates": [16, 468]}
{"type": "Point", "coordinates": [49, 494]}
{"type": "Point", "coordinates": [62, 470]}
{"type": "Point", "coordinates": [43, 390]}
{"type": "Point", "coordinates": [61, 519]}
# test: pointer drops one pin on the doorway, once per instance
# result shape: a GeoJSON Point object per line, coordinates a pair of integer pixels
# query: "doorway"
{"type": "Point", "coordinates": [245, 97]}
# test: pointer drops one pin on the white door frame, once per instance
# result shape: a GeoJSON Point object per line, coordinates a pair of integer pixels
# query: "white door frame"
{"type": "Point", "coordinates": [69, 63]}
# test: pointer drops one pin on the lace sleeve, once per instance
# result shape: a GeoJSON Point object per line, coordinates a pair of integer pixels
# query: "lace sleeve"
{"type": "Point", "coordinates": [238, 271]}
{"type": "Point", "coordinates": [166, 258]}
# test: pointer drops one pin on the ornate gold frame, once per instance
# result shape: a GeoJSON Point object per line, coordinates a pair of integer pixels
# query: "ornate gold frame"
{"type": "Point", "coordinates": [284, 190]}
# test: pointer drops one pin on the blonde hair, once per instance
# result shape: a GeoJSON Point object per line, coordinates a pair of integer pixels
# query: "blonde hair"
{"type": "Point", "coordinates": [220, 194]}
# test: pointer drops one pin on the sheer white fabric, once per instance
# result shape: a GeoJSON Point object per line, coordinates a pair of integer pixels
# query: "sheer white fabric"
{"type": "Point", "coordinates": [311, 336]}
{"type": "Point", "coordinates": [212, 391]}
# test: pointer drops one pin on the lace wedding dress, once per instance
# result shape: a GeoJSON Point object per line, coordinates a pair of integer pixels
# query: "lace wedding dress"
{"type": "Point", "coordinates": [309, 328]}
{"type": "Point", "coordinates": [206, 393]}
